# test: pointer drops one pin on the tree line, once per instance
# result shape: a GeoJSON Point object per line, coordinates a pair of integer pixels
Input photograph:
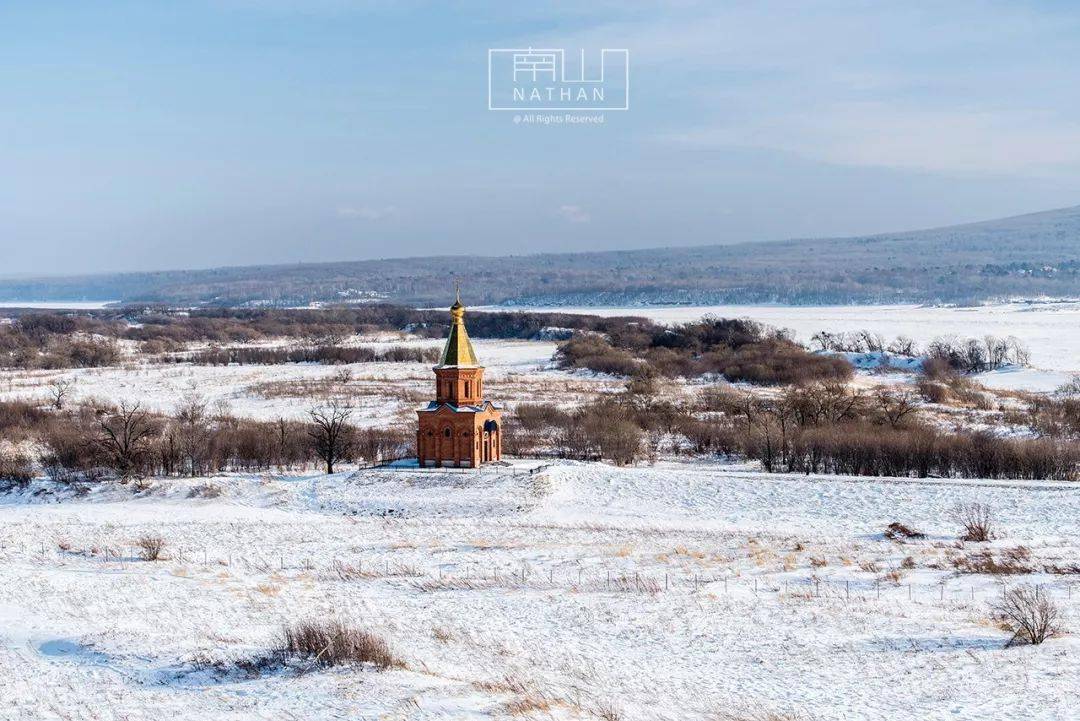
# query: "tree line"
{"type": "Point", "coordinates": [90, 442]}
{"type": "Point", "coordinates": [967, 355]}
{"type": "Point", "coordinates": [823, 427]}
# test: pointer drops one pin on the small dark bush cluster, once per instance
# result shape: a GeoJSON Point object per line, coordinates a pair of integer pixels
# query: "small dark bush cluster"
{"type": "Point", "coordinates": [50, 341]}
{"type": "Point", "coordinates": [604, 429]}
{"type": "Point", "coordinates": [739, 350]}
{"type": "Point", "coordinates": [16, 469]}
{"type": "Point", "coordinates": [897, 531]}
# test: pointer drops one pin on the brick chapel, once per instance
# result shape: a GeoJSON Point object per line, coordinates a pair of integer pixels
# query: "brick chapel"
{"type": "Point", "coordinates": [460, 427]}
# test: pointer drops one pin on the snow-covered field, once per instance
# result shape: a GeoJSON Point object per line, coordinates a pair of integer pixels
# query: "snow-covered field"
{"type": "Point", "coordinates": [518, 370]}
{"type": "Point", "coordinates": [581, 591]}
{"type": "Point", "coordinates": [1048, 329]}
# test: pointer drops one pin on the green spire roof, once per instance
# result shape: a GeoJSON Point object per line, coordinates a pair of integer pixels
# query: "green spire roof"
{"type": "Point", "coordinates": [459, 350]}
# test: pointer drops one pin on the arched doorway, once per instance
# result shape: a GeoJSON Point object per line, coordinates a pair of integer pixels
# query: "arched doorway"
{"type": "Point", "coordinates": [491, 441]}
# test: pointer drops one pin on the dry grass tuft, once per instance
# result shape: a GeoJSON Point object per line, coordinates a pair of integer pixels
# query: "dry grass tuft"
{"type": "Point", "coordinates": [506, 684]}
{"type": "Point", "coordinates": [348, 572]}
{"type": "Point", "coordinates": [897, 531]}
{"type": "Point", "coordinates": [1012, 561]}
{"type": "Point", "coordinates": [621, 583]}
{"type": "Point", "coordinates": [332, 643]}
{"type": "Point", "coordinates": [524, 705]}
{"type": "Point", "coordinates": [759, 715]}
{"type": "Point", "coordinates": [606, 711]}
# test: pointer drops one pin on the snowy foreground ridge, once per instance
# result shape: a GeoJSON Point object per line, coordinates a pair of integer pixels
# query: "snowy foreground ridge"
{"type": "Point", "coordinates": [576, 591]}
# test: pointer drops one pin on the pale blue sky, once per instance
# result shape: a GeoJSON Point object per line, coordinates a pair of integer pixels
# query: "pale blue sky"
{"type": "Point", "coordinates": [150, 135]}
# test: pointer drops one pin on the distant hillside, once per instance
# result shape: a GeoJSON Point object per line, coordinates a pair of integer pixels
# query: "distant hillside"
{"type": "Point", "coordinates": [1028, 255]}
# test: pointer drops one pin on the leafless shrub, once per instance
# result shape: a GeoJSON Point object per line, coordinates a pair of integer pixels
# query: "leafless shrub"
{"type": "Point", "coordinates": [150, 547]}
{"type": "Point", "coordinates": [1069, 389]}
{"type": "Point", "coordinates": [332, 643]}
{"type": "Point", "coordinates": [975, 520]}
{"type": "Point", "coordinates": [1030, 614]}
{"type": "Point", "coordinates": [16, 469]}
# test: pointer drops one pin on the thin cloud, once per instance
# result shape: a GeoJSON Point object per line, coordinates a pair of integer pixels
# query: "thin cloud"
{"type": "Point", "coordinates": [574, 214]}
{"type": "Point", "coordinates": [364, 212]}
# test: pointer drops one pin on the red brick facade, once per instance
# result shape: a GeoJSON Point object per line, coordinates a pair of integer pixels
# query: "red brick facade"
{"type": "Point", "coordinates": [460, 427]}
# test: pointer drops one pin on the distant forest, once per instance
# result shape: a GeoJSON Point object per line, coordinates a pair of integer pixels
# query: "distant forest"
{"type": "Point", "coordinates": [1023, 256]}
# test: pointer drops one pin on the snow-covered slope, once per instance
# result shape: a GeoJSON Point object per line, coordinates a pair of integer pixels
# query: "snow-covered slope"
{"type": "Point", "coordinates": [673, 592]}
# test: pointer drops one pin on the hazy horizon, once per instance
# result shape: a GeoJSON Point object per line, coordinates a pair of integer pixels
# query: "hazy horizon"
{"type": "Point", "coordinates": [899, 231]}
{"type": "Point", "coordinates": [149, 137]}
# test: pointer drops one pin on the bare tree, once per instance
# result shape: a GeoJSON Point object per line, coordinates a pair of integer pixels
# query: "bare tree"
{"type": "Point", "coordinates": [976, 521]}
{"type": "Point", "coordinates": [330, 433]}
{"type": "Point", "coordinates": [896, 405]}
{"type": "Point", "coordinates": [903, 345]}
{"type": "Point", "coordinates": [59, 390]}
{"type": "Point", "coordinates": [193, 430]}
{"type": "Point", "coordinates": [1030, 614]}
{"type": "Point", "coordinates": [872, 342]}
{"type": "Point", "coordinates": [282, 435]}
{"type": "Point", "coordinates": [765, 429]}
{"type": "Point", "coordinates": [124, 438]}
